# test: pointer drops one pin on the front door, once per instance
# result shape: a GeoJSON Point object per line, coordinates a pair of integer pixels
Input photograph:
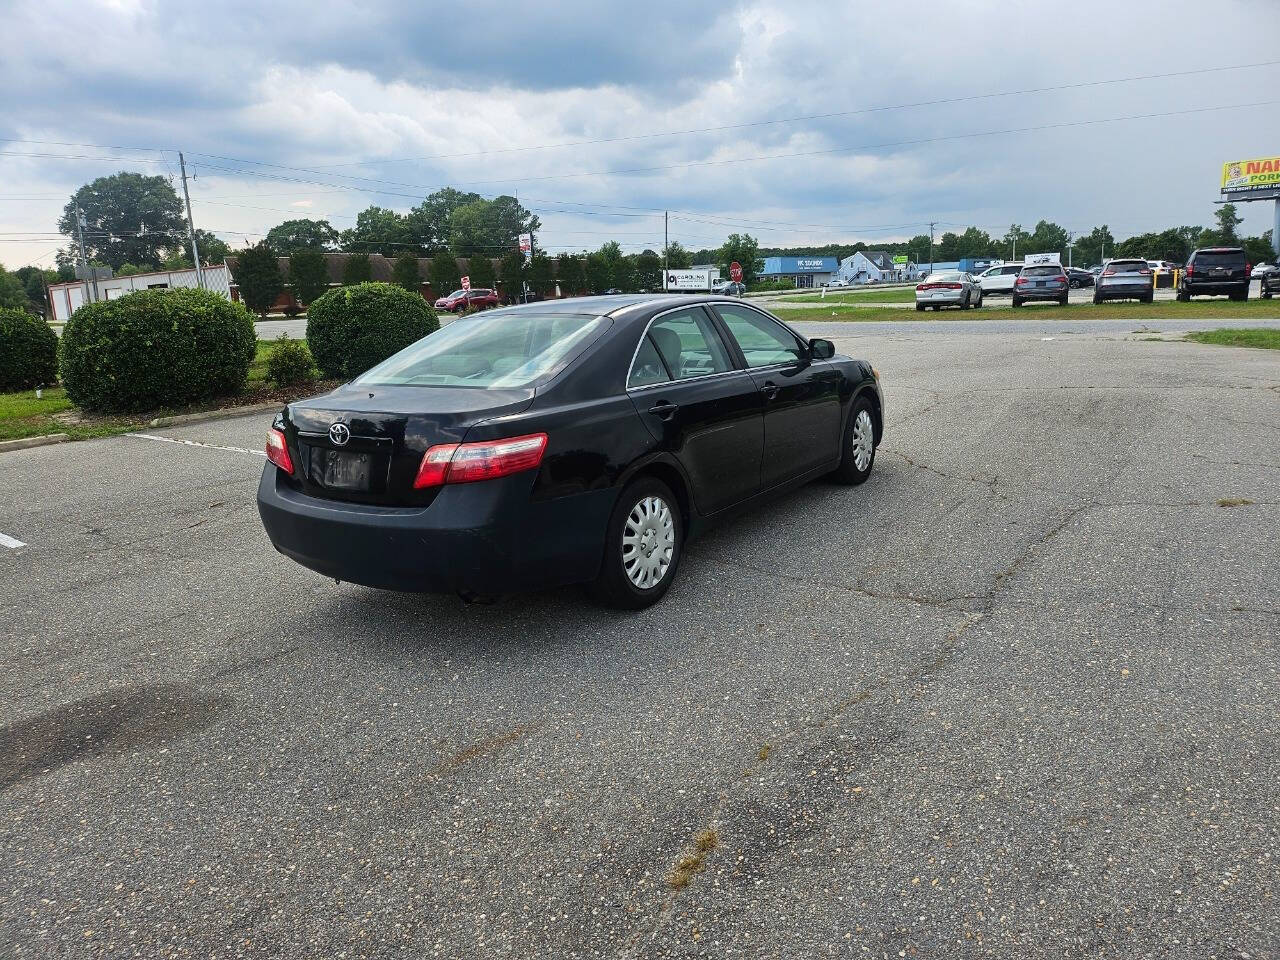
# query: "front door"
{"type": "Point", "coordinates": [801, 396]}
{"type": "Point", "coordinates": [700, 406]}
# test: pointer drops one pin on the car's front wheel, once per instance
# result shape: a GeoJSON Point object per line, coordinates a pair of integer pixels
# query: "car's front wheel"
{"type": "Point", "coordinates": [858, 455]}
{"type": "Point", "coordinates": [642, 546]}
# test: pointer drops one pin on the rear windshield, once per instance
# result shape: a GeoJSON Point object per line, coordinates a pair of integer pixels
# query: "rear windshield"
{"type": "Point", "coordinates": [492, 349]}
{"type": "Point", "coordinates": [1220, 259]}
{"type": "Point", "coordinates": [1128, 266]}
{"type": "Point", "coordinates": [948, 277]}
{"type": "Point", "coordinates": [1042, 271]}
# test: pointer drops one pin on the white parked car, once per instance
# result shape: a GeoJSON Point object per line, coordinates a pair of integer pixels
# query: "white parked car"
{"type": "Point", "coordinates": [999, 279]}
{"type": "Point", "coordinates": [950, 288]}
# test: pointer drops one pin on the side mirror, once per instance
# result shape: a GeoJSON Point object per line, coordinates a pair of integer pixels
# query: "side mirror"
{"type": "Point", "coordinates": [822, 349]}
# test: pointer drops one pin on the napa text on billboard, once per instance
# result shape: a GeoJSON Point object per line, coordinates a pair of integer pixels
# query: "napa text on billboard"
{"type": "Point", "coordinates": [1243, 176]}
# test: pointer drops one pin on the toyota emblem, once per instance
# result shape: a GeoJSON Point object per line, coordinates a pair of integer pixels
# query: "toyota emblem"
{"type": "Point", "coordinates": [339, 434]}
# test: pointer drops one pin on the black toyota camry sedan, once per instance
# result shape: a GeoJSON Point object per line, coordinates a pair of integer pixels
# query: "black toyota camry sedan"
{"type": "Point", "coordinates": [571, 441]}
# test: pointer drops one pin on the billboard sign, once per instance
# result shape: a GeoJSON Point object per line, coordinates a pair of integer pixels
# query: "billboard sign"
{"type": "Point", "coordinates": [688, 280]}
{"type": "Point", "coordinates": [1243, 179]}
{"type": "Point", "coordinates": [1042, 259]}
{"type": "Point", "coordinates": [900, 260]}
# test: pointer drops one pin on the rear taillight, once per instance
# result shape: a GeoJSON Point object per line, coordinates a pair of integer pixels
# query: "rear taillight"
{"type": "Point", "coordinates": [485, 460]}
{"type": "Point", "coordinates": [1145, 273]}
{"type": "Point", "coordinates": [1187, 272]}
{"type": "Point", "coordinates": [951, 286]}
{"type": "Point", "coordinates": [278, 450]}
{"type": "Point", "coordinates": [1020, 281]}
{"type": "Point", "coordinates": [922, 286]}
{"type": "Point", "coordinates": [1108, 273]}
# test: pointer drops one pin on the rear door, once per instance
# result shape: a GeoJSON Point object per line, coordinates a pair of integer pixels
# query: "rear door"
{"type": "Point", "coordinates": [801, 396]}
{"type": "Point", "coordinates": [700, 406]}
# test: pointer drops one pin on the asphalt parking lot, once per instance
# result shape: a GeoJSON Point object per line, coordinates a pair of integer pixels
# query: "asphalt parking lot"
{"type": "Point", "coordinates": [1015, 696]}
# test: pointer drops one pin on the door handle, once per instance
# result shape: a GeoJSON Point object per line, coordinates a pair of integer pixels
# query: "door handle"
{"type": "Point", "coordinates": [770, 390]}
{"type": "Point", "coordinates": [664, 409]}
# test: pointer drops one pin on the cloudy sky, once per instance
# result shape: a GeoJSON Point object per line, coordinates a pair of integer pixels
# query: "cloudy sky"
{"type": "Point", "coordinates": [599, 116]}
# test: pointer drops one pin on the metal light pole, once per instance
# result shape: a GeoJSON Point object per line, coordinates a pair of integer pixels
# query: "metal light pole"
{"type": "Point", "coordinates": [932, 224]}
{"type": "Point", "coordinates": [89, 272]}
{"type": "Point", "coordinates": [191, 224]}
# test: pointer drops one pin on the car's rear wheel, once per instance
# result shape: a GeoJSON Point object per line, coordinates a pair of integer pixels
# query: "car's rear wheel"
{"type": "Point", "coordinates": [1097, 300]}
{"type": "Point", "coordinates": [1148, 297]}
{"type": "Point", "coordinates": [642, 546]}
{"type": "Point", "coordinates": [1183, 294]}
{"type": "Point", "coordinates": [1062, 300]}
{"type": "Point", "coordinates": [858, 455]}
{"type": "Point", "coordinates": [919, 308]}
{"type": "Point", "coordinates": [1017, 302]}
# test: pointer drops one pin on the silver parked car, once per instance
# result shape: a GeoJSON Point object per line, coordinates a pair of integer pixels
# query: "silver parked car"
{"type": "Point", "coordinates": [1124, 280]}
{"type": "Point", "coordinates": [951, 288]}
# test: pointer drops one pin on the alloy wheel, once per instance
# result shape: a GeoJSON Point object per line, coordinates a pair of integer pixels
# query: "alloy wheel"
{"type": "Point", "coordinates": [648, 542]}
{"type": "Point", "coordinates": [864, 440]}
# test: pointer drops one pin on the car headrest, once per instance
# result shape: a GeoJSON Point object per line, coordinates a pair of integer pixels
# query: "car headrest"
{"type": "Point", "coordinates": [668, 344]}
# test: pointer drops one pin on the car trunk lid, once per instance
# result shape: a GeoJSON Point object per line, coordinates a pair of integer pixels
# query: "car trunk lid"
{"type": "Point", "coordinates": [364, 444]}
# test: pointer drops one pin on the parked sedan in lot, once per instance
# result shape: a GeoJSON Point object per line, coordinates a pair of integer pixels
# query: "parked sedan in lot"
{"type": "Point", "coordinates": [950, 288]}
{"type": "Point", "coordinates": [1124, 280]}
{"type": "Point", "coordinates": [1041, 282]}
{"type": "Point", "coordinates": [562, 442]}
{"type": "Point", "coordinates": [479, 299]}
{"type": "Point", "coordinates": [1077, 278]}
{"type": "Point", "coordinates": [1270, 284]}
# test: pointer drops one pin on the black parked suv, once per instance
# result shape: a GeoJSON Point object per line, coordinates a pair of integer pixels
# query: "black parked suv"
{"type": "Point", "coordinates": [1270, 283]}
{"type": "Point", "coordinates": [1216, 271]}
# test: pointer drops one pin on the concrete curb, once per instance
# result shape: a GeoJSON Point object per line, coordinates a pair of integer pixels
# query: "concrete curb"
{"type": "Point", "coordinates": [41, 441]}
{"type": "Point", "coordinates": [224, 414]}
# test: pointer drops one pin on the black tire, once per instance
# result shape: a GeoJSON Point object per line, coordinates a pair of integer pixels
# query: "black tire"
{"type": "Point", "coordinates": [1062, 300]}
{"type": "Point", "coordinates": [1148, 298]}
{"type": "Point", "coordinates": [1017, 302]}
{"type": "Point", "coordinates": [919, 308]}
{"type": "Point", "coordinates": [614, 586]}
{"type": "Point", "coordinates": [1184, 295]}
{"type": "Point", "coordinates": [1097, 300]}
{"type": "Point", "coordinates": [848, 471]}
{"type": "Point", "coordinates": [978, 305]}
{"type": "Point", "coordinates": [965, 305]}
{"type": "Point", "coordinates": [1240, 297]}
{"type": "Point", "coordinates": [1266, 294]}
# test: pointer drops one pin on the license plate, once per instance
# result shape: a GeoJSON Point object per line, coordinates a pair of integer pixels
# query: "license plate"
{"type": "Point", "coordinates": [341, 470]}
{"type": "Point", "coordinates": [1041, 283]}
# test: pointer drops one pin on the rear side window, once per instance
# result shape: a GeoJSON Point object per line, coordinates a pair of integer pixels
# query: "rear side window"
{"type": "Point", "coordinates": [688, 345]}
{"type": "Point", "coordinates": [1210, 258]}
{"type": "Point", "coordinates": [1042, 271]}
{"type": "Point", "coordinates": [1009, 271]}
{"type": "Point", "coordinates": [648, 366]}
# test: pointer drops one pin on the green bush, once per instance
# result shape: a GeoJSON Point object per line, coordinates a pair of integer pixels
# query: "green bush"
{"type": "Point", "coordinates": [290, 362]}
{"type": "Point", "coordinates": [350, 329]}
{"type": "Point", "coordinates": [156, 348]}
{"type": "Point", "coordinates": [28, 350]}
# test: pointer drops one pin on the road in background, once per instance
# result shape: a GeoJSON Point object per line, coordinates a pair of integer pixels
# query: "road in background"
{"type": "Point", "coordinates": [1016, 694]}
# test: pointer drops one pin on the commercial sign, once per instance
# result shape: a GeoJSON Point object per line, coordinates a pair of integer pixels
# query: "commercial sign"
{"type": "Point", "coordinates": [688, 280]}
{"type": "Point", "coordinates": [526, 245]}
{"type": "Point", "coordinates": [805, 264]}
{"type": "Point", "coordinates": [1247, 176]}
{"type": "Point", "coordinates": [1042, 259]}
{"type": "Point", "coordinates": [900, 260]}
{"type": "Point", "coordinates": [466, 283]}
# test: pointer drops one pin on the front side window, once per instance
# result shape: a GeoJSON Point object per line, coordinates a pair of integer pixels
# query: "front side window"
{"type": "Point", "coordinates": [763, 342]}
{"type": "Point", "coordinates": [493, 349]}
{"type": "Point", "coordinates": [688, 345]}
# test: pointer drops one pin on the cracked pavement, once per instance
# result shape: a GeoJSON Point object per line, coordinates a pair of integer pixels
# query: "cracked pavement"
{"type": "Point", "coordinates": [1015, 696]}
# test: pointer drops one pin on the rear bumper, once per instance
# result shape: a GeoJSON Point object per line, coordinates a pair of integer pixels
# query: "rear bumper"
{"type": "Point", "coordinates": [952, 298]}
{"type": "Point", "coordinates": [1122, 291]}
{"type": "Point", "coordinates": [1040, 293]}
{"type": "Point", "coordinates": [487, 538]}
{"type": "Point", "coordinates": [1214, 288]}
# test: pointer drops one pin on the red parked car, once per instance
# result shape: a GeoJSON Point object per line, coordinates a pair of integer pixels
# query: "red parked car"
{"type": "Point", "coordinates": [478, 299]}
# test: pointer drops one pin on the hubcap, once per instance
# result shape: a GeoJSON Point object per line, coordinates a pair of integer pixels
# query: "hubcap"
{"type": "Point", "coordinates": [648, 541]}
{"type": "Point", "coordinates": [864, 440]}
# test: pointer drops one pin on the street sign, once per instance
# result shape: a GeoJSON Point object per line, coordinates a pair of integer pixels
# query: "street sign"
{"type": "Point", "coordinates": [466, 283]}
{"type": "Point", "coordinates": [735, 272]}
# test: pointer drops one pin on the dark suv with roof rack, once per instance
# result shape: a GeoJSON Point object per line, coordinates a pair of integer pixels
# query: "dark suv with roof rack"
{"type": "Point", "coordinates": [1215, 271]}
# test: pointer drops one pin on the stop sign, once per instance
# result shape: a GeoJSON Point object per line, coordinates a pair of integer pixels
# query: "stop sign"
{"type": "Point", "coordinates": [735, 272]}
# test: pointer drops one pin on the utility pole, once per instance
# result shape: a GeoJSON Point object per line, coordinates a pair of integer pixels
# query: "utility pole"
{"type": "Point", "coordinates": [1071, 243]}
{"type": "Point", "coordinates": [932, 224]}
{"type": "Point", "coordinates": [89, 273]}
{"type": "Point", "coordinates": [666, 242]}
{"type": "Point", "coordinates": [191, 224]}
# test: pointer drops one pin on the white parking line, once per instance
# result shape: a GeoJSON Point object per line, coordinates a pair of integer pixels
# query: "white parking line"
{"type": "Point", "coordinates": [12, 544]}
{"type": "Point", "coordinates": [197, 443]}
